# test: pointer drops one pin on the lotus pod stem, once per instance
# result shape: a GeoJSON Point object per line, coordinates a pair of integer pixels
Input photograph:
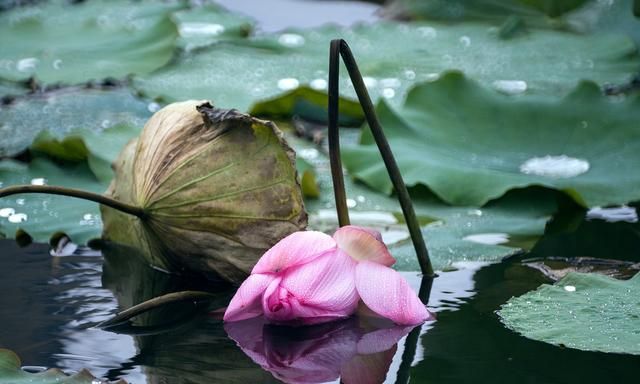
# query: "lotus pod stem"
{"type": "Point", "coordinates": [339, 48]}
{"type": "Point", "coordinates": [80, 194]}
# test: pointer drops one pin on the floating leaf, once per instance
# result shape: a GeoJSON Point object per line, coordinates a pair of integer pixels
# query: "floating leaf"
{"type": "Point", "coordinates": [10, 89]}
{"type": "Point", "coordinates": [501, 228]}
{"type": "Point", "coordinates": [514, 16]}
{"type": "Point", "coordinates": [64, 111]}
{"type": "Point", "coordinates": [542, 61]}
{"type": "Point", "coordinates": [470, 145]}
{"type": "Point", "coordinates": [468, 335]}
{"type": "Point", "coordinates": [57, 42]}
{"type": "Point", "coordinates": [217, 189]}
{"type": "Point", "coordinates": [607, 16]}
{"type": "Point", "coordinates": [583, 311]}
{"type": "Point", "coordinates": [533, 11]}
{"type": "Point", "coordinates": [98, 149]}
{"type": "Point", "coordinates": [307, 178]}
{"type": "Point", "coordinates": [43, 215]}
{"type": "Point", "coordinates": [498, 230]}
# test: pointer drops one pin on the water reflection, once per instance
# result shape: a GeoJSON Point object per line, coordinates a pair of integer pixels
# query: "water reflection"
{"type": "Point", "coordinates": [357, 350]}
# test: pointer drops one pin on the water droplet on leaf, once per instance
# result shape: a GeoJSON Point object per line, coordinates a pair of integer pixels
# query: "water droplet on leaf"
{"type": "Point", "coordinates": [200, 29]}
{"type": "Point", "coordinates": [291, 40]}
{"type": "Point", "coordinates": [556, 167]}
{"type": "Point", "coordinates": [511, 87]}
{"type": "Point", "coordinates": [288, 83]}
{"type": "Point", "coordinates": [17, 218]}
{"type": "Point", "coordinates": [488, 238]}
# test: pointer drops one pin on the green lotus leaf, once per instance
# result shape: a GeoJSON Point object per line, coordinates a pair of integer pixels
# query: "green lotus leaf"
{"type": "Point", "coordinates": [217, 187]}
{"type": "Point", "coordinates": [468, 334]}
{"type": "Point", "coordinates": [10, 372]}
{"type": "Point", "coordinates": [308, 181]}
{"type": "Point", "coordinates": [517, 16]}
{"type": "Point", "coordinates": [542, 61]}
{"type": "Point", "coordinates": [535, 12]}
{"type": "Point", "coordinates": [58, 42]}
{"type": "Point", "coordinates": [65, 111]}
{"type": "Point", "coordinates": [11, 89]}
{"type": "Point", "coordinates": [621, 16]}
{"type": "Point", "coordinates": [43, 215]}
{"type": "Point", "coordinates": [502, 228]}
{"type": "Point", "coordinates": [591, 312]}
{"type": "Point", "coordinates": [470, 144]}
{"type": "Point", "coordinates": [98, 149]}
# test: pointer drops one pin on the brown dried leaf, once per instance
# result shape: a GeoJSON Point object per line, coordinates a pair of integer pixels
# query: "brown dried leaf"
{"type": "Point", "coordinates": [219, 187]}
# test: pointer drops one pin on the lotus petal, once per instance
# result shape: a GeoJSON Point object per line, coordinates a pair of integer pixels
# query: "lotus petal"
{"type": "Point", "coordinates": [388, 294]}
{"type": "Point", "coordinates": [363, 244]}
{"type": "Point", "coordinates": [319, 291]}
{"type": "Point", "coordinates": [296, 249]}
{"type": "Point", "coordinates": [246, 303]}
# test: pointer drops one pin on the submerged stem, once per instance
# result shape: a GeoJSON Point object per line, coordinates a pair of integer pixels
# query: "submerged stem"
{"type": "Point", "coordinates": [53, 190]}
{"type": "Point", "coordinates": [154, 303]}
{"type": "Point", "coordinates": [340, 47]}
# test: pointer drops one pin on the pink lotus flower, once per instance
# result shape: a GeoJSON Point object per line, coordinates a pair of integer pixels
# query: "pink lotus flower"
{"type": "Point", "coordinates": [309, 278]}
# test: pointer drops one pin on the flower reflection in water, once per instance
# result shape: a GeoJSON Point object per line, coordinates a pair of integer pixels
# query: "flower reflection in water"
{"type": "Point", "coordinates": [358, 349]}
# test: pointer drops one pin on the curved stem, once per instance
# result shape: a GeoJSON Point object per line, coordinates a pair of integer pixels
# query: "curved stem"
{"type": "Point", "coordinates": [340, 46]}
{"type": "Point", "coordinates": [154, 303]}
{"type": "Point", "coordinates": [334, 138]}
{"type": "Point", "coordinates": [53, 190]}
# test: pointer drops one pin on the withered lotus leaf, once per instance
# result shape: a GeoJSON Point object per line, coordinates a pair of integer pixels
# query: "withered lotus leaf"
{"type": "Point", "coordinates": [218, 188]}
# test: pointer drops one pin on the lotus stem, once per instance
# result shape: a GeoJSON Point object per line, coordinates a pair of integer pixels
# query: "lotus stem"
{"type": "Point", "coordinates": [53, 190]}
{"type": "Point", "coordinates": [154, 303]}
{"type": "Point", "coordinates": [340, 47]}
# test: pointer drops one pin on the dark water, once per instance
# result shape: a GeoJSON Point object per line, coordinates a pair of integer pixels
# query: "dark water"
{"type": "Point", "coordinates": [49, 305]}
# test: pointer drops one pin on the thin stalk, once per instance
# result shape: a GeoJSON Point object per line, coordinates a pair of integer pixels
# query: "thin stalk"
{"type": "Point", "coordinates": [334, 138]}
{"type": "Point", "coordinates": [53, 190]}
{"type": "Point", "coordinates": [340, 47]}
{"type": "Point", "coordinates": [154, 303]}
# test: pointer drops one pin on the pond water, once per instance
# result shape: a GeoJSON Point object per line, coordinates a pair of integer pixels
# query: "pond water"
{"type": "Point", "coordinates": [63, 298]}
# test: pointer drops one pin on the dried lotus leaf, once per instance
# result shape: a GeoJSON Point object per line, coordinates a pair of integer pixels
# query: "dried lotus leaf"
{"type": "Point", "coordinates": [218, 188]}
